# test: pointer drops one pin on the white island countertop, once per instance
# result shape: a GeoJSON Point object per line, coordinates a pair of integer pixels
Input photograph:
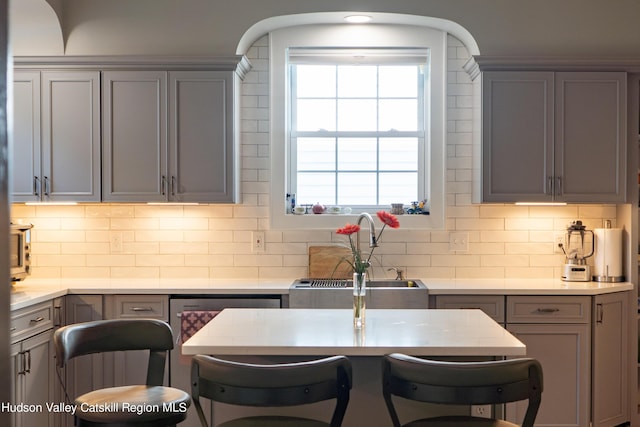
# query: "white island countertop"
{"type": "Point", "coordinates": [323, 332]}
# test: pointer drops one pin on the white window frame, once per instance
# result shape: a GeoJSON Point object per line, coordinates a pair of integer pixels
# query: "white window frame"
{"type": "Point", "coordinates": [364, 36]}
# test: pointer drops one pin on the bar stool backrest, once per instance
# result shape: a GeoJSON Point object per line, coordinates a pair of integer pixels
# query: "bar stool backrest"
{"type": "Point", "coordinates": [276, 385]}
{"type": "Point", "coordinates": [462, 383]}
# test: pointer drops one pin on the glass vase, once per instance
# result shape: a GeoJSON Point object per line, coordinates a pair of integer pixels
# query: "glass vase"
{"type": "Point", "coordinates": [359, 294]}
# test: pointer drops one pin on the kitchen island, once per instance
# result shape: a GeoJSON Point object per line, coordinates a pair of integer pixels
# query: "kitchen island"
{"type": "Point", "coordinates": [263, 335]}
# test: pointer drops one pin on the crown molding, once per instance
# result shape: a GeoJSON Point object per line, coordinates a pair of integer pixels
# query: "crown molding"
{"type": "Point", "coordinates": [239, 63]}
{"type": "Point", "coordinates": [479, 63]}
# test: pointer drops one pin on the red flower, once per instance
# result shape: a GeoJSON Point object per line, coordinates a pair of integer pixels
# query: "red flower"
{"type": "Point", "coordinates": [388, 219]}
{"type": "Point", "coordinates": [348, 229]}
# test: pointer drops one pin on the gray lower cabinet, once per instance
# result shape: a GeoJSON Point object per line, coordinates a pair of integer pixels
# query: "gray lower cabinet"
{"type": "Point", "coordinates": [32, 365]}
{"type": "Point", "coordinates": [123, 368]}
{"type": "Point", "coordinates": [56, 113]}
{"type": "Point", "coordinates": [556, 331]}
{"type": "Point", "coordinates": [581, 344]}
{"type": "Point", "coordinates": [610, 360]}
{"type": "Point", "coordinates": [170, 136]}
{"type": "Point", "coordinates": [85, 373]}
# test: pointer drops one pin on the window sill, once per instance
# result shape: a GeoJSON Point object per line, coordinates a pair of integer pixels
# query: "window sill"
{"type": "Point", "coordinates": [335, 221]}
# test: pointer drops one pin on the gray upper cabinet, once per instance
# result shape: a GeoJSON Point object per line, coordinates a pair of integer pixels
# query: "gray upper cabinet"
{"type": "Point", "coordinates": [202, 136]}
{"type": "Point", "coordinates": [590, 136]}
{"type": "Point", "coordinates": [553, 136]}
{"type": "Point", "coordinates": [170, 136]}
{"type": "Point", "coordinates": [61, 160]}
{"type": "Point", "coordinates": [26, 142]}
{"type": "Point", "coordinates": [134, 136]}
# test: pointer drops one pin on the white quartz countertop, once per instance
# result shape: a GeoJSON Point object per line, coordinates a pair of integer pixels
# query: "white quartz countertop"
{"type": "Point", "coordinates": [521, 287]}
{"type": "Point", "coordinates": [322, 332]}
{"type": "Point", "coordinates": [35, 290]}
{"type": "Point", "coordinates": [32, 291]}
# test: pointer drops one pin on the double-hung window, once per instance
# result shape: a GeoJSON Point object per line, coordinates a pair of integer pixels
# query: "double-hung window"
{"type": "Point", "coordinates": [357, 126]}
{"type": "Point", "coordinates": [357, 119]}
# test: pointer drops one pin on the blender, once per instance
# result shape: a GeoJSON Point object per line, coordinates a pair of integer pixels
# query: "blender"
{"type": "Point", "coordinates": [578, 239]}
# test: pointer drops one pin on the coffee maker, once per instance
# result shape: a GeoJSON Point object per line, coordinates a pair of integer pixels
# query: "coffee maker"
{"type": "Point", "coordinates": [579, 246]}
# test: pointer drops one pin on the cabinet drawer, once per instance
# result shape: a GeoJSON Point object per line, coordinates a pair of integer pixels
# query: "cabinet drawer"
{"type": "Point", "coordinates": [30, 321]}
{"type": "Point", "coordinates": [548, 309]}
{"type": "Point", "coordinates": [492, 305]}
{"type": "Point", "coordinates": [132, 306]}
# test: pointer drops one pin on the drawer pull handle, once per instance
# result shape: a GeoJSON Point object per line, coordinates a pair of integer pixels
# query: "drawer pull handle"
{"type": "Point", "coordinates": [37, 319]}
{"type": "Point", "coordinates": [21, 364]}
{"type": "Point", "coordinates": [58, 316]}
{"type": "Point", "coordinates": [548, 310]}
{"type": "Point", "coordinates": [138, 309]}
{"type": "Point", "coordinates": [13, 329]}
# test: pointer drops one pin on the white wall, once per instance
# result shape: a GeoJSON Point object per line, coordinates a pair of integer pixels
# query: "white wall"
{"type": "Point", "coordinates": [208, 27]}
{"type": "Point", "coordinates": [214, 240]}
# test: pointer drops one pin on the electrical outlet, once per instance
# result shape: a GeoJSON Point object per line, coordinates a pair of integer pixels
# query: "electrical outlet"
{"type": "Point", "coordinates": [257, 241]}
{"type": "Point", "coordinates": [482, 411]}
{"type": "Point", "coordinates": [115, 242]}
{"type": "Point", "coordinates": [558, 244]}
{"type": "Point", "coordinates": [459, 241]}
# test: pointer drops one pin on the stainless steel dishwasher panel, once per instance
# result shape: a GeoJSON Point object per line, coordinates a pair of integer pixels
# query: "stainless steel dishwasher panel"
{"type": "Point", "coordinates": [180, 366]}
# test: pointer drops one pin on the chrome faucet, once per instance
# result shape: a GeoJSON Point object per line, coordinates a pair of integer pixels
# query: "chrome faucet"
{"type": "Point", "coordinates": [399, 272]}
{"type": "Point", "coordinates": [372, 231]}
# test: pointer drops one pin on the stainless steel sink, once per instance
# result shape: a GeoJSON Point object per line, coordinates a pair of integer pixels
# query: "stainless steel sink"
{"type": "Point", "coordinates": [337, 293]}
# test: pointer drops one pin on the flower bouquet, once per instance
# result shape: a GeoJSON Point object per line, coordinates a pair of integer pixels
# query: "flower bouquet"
{"type": "Point", "coordinates": [359, 262]}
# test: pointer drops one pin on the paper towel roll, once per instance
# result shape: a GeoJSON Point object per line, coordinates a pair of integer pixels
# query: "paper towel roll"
{"type": "Point", "coordinates": [608, 255]}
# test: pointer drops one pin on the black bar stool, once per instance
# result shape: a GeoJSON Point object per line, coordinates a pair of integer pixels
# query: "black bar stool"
{"type": "Point", "coordinates": [462, 383]}
{"type": "Point", "coordinates": [148, 405]}
{"type": "Point", "coordinates": [287, 384]}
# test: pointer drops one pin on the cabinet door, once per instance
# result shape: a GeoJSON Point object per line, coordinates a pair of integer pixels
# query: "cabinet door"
{"type": "Point", "coordinates": [590, 137]}
{"type": "Point", "coordinates": [84, 373]}
{"type": "Point", "coordinates": [610, 369]}
{"type": "Point", "coordinates": [71, 136]}
{"type": "Point", "coordinates": [17, 383]}
{"type": "Point", "coordinates": [38, 379]}
{"type": "Point", "coordinates": [202, 140]}
{"type": "Point", "coordinates": [135, 136]}
{"type": "Point", "coordinates": [130, 367]}
{"type": "Point", "coordinates": [563, 351]}
{"type": "Point", "coordinates": [517, 136]}
{"type": "Point", "coordinates": [25, 147]}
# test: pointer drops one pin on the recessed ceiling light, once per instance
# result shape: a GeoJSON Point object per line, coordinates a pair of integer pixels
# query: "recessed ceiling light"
{"type": "Point", "coordinates": [357, 19]}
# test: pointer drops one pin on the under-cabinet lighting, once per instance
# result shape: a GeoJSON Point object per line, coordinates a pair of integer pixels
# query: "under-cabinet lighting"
{"type": "Point", "coordinates": [541, 203]}
{"type": "Point", "coordinates": [171, 203]}
{"type": "Point", "coordinates": [357, 19]}
{"type": "Point", "coordinates": [51, 203]}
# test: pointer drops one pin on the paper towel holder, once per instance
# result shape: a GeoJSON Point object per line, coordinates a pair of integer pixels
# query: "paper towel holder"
{"type": "Point", "coordinates": [604, 274]}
